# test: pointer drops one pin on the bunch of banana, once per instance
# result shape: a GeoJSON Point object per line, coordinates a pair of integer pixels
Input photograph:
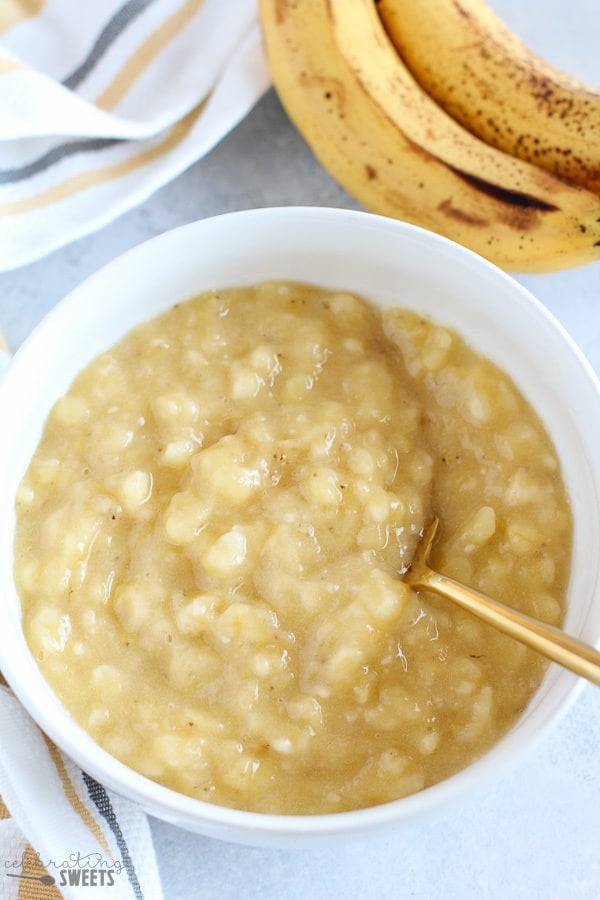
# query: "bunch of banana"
{"type": "Point", "coordinates": [391, 146]}
{"type": "Point", "coordinates": [490, 82]}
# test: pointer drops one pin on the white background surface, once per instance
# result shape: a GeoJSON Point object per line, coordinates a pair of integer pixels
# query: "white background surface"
{"type": "Point", "coordinates": [535, 831]}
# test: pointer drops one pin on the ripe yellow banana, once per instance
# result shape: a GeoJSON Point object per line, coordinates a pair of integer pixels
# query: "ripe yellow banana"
{"type": "Point", "coordinates": [393, 148]}
{"type": "Point", "coordinates": [490, 82]}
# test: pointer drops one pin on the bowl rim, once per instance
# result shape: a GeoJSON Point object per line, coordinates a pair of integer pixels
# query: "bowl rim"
{"type": "Point", "coordinates": [187, 811]}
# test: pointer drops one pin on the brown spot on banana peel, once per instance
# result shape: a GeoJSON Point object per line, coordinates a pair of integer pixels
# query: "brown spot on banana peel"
{"type": "Point", "coordinates": [463, 12]}
{"type": "Point", "coordinates": [459, 215]}
{"type": "Point", "coordinates": [505, 195]}
{"type": "Point", "coordinates": [518, 210]}
{"type": "Point", "coordinates": [281, 8]}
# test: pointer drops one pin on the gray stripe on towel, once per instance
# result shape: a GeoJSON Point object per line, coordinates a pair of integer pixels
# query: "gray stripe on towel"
{"type": "Point", "coordinates": [61, 151]}
{"type": "Point", "coordinates": [100, 798]}
{"type": "Point", "coordinates": [107, 36]}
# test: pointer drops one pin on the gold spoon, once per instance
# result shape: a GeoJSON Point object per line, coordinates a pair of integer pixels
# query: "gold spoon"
{"type": "Point", "coordinates": [547, 640]}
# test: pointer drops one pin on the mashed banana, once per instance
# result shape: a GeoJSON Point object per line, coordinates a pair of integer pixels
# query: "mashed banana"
{"type": "Point", "coordinates": [211, 532]}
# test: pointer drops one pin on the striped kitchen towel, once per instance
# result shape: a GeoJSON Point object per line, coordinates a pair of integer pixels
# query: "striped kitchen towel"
{"type": "Point", "coordinates": [61, 833]}
{"type": "Point", "coordinates": [102, 103]}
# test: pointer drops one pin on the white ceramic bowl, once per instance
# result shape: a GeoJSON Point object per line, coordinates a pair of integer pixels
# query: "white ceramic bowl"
{"type": "Point", "coordinates": [388, 262]}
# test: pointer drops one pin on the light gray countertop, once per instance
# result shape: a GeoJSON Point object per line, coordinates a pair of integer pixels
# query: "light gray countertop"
{"type": "Point", "coordinates": [535, 831]}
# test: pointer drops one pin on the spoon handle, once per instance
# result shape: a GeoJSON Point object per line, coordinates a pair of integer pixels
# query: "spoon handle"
{"type": "Point", "coordinates": [554, 644]}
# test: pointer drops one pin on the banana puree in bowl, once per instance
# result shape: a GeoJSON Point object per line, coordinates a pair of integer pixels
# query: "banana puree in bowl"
{"type": "Point", "coordinates": [211, 532]}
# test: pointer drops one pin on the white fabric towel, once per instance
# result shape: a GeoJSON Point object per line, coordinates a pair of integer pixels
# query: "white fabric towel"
{"type": "Point", "coordinates": [62, 834]}
{"type": "Point", "coordinates": [99, 107]}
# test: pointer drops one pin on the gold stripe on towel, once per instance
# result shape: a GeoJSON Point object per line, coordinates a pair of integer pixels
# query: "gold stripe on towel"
{"type": "Point", "coordinates": [7, 64]}
{"type": "Point", "coordinates": [14, 11]}
{"type": "Point", "coordinates": [31, 887]}
{"type": "Point", "coordinates": [145, 53]}
{"type": "Point", "coordinates": [75, 801]}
